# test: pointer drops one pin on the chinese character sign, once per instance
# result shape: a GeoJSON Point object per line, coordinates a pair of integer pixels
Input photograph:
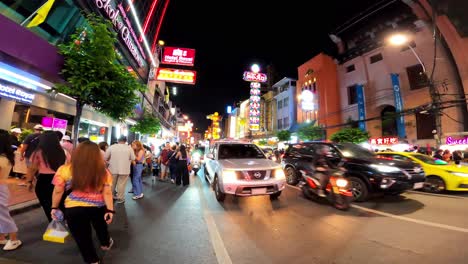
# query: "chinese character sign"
{"type": "Point", "coordinates": [384, 141]}
{"type": "Point", "coordinates": [254, 114]}
{"type": "Point", "coordinates": [176, 76]}
{"type": "Point", "coordinates": [254, 77]}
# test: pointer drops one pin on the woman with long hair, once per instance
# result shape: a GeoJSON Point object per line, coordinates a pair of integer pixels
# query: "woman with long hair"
{"type": "Point", "coordinates": [46, 159]}
{"type": "Point", "coordinates": [90, 201]}
{"type": "Point", "coordinates": [7, 225]}
{"type": "Point", "coordinates": [137, 182]}
{"type": "Point", "coordinates": [103, 146]}
{"type": "Point", "coordinates": [182, 169]}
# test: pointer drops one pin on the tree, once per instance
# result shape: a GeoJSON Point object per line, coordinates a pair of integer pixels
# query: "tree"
{"type": "Point", "coordinates": [283, 135]}
{"type": "Point", "coordinates": [147, 124]}
{"type": "Point", "coordinates": [92, 74]}
{"type": "Point", "coordinates": [310, 132]}
{"type": "Point", "coordinates": [262, 142]}
{"type": "Point", "coordinates": [353, 135]}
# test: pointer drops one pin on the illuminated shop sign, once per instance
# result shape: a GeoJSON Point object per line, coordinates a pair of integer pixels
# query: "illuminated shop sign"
{"type": "Point", "coordinates": [179, 56]}
{"type": "Point", "coordinates": [384, 141]}
{"type": "Point", "coordinates": [124, 28]}
{"type": "Point", "coordinates": [254, 111]}
{"type": "Point", "coordinates": [254, 77]}
{"type": "Point", "coordinates": [55, 124]}
{"type": "Point", "coordinates": [456, 141]}
{"type": "Point", "coordinates": [307, 100]}
{"type": "Point", "coordinates": [176, 76]}
{"type": "Point", "coordinates": [17, 94]}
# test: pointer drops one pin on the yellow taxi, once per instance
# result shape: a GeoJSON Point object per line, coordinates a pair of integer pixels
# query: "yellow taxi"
{"type": "Point", "coordinates": [440, 175]}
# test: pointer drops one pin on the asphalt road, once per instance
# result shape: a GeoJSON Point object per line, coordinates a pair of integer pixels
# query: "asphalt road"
{"type": "Point", "coordinates": [187, 225]}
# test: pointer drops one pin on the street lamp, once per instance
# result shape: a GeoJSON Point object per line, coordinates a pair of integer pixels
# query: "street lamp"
{"type": "Point", "coordinates": [400, 39]}
{"type": "Point", "coordinates": [185, 117]}
{"type": "Point", "coordinates": [255, 68]}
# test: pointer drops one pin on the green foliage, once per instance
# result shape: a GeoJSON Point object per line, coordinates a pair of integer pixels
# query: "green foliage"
{"type": "Point", "coordinates": [92, 74]}
{"type": "Point", "coordinates": [147, 124]}
{"type": "Point", "coordinates": [353, 135]}
{"type": "Point", "coordinates": [263, 142]}
{"type": "Point", "coordinates": [24, 134]}
{"type": "Point", "coordinates": [283, 135]}
{"type": "Point", "coordinates": [310, 132]}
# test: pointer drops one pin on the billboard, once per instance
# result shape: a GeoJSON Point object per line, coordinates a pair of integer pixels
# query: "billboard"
{"type": "Point", "coordinates": [254, 77]}
{"type": "Point", "coordinates": [176, 76]}
{"type": "Point", "coordinates": [178, 56]}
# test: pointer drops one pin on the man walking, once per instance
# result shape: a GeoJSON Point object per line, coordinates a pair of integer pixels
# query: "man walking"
{"type": "Point", "coordinates": [120, 156]}
{"type": "Point", "coordinates": [165, 161]}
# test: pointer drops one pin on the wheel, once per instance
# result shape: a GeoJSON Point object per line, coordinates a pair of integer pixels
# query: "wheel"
{"type": "Point", "coordinates": [359, 189]}
{"type": "Point", "coordinates": [275, 196]}
{"type": "Point", "coordinates": [220, 196]}
{"type": "Point", "coordinates": [434, 184]}
{"type": "Point", "coordinates": [342, 202]}
{"type": "Point", "coordinates": [307, 194]}
{"type": "Point", "coordinates": [291, 176]}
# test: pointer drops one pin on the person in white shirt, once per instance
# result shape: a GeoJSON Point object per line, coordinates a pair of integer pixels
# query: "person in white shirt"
{"type": "Point", "coordinates": [119, 157]}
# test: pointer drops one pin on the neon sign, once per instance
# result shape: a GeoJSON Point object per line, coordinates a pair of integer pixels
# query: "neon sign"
{"type": "Point", "coordinates": [254, 77]}
{"type": "Point", "coordinates": [254, 111]}
{"type": "Point", "coordinates": [454, 141]}
{"type": "Point", "coordinates": [176, 76]}
{"type": "Point", "coordinates": [384, 140]}
{"type": "Point", "coordinates": [179, 56]}
{"type": "Point", "coordinates": [307, 100]}
{"type": "Point", "coordinates": [16, 94]}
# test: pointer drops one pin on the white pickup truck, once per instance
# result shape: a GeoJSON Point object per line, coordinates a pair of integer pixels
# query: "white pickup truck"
{"type": "Point", "coordinates": [242, 169]}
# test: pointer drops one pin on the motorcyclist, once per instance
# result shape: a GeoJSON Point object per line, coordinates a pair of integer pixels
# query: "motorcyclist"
{"type": "Point", "coordinates": [322, 165]}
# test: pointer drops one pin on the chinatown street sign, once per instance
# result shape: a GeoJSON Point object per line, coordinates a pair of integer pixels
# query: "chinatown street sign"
{"type": "Point", "coordinates": [254, 77]}
{"type": "Point", "coordinates": [178, 56]}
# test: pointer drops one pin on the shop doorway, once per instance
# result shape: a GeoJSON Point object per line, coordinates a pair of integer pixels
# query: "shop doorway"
{"type": "Point", "coordinates": [389, 118]}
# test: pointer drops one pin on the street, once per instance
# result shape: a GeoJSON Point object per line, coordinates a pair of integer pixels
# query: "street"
{"type": "Point", "coordinates": [187, 225]}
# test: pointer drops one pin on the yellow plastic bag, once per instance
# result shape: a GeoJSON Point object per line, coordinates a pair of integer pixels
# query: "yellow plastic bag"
{"type": "Point", "coordinates": [56, 232]}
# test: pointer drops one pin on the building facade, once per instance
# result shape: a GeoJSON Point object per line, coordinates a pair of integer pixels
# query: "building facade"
{"type": "Point", "coordinates": [286, 102]}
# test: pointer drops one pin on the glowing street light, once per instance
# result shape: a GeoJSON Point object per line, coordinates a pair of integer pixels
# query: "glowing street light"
{"type": "Point", "coordinates": [185, 117]}
{"type": "Point", "coordinates": [255, 68]}
{"type": "Point", "coordinates": [398, 39]}
{"type": "Point", "coordinates": [161, 43]}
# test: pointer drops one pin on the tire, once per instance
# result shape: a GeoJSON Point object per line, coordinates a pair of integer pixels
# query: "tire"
{"type": "Point", "coordinates": [342, 202]}
{"type": "Point", "coordinates": [434, 184]}
{"type": "Point", "coordinates": [291, 176]}
{"type": "Point", "coordinates": [359, 189]}
{"type": "Point", "coordinates": [275, 196]}
{"type": "Point", "coordinates": [220, 196]}
{"type": "Point", "coordinates": [307, 194]}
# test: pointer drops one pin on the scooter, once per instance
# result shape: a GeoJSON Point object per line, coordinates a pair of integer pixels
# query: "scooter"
{"type": "Point", "coordinates": [338, 191]}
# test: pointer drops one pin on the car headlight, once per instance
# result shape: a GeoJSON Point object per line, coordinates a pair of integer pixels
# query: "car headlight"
{"type": "Point", "coordinates": [385, 168]}
{"type": "Point", "coordinates": [461, 174]}
{"type": "Point", "coordinates": [229, 176]}
{"type": "Point", "coordinates": [279, 174]}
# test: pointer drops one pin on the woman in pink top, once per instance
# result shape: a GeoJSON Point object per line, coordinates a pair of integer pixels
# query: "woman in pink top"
{"type": "Point", "coordinates": [47, 158]}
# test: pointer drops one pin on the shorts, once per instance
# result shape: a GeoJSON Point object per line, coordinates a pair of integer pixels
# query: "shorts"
{"type": "Point", "coordinates": [164, 168]}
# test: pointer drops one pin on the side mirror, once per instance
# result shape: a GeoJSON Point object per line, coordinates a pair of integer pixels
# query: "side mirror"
{"type": "Point", "coordinates": [210, 156]}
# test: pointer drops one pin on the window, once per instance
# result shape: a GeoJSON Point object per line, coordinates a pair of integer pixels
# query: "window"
{"type": "Point", "coordinates": [280, 123]}
{"type": "Point", "coordinates": [416, 76]}
{"type": "Point", "coordinates": [285, 102]}
{"type": "Point", "coordinates": [352, 95]}
{"type": "Point", "coordinates": [293, 83]}
{"type": "Point", "coordinates": [350, 68]}
{"type": "Point", "coordinates": [376, 58]}
{"type": "Point", "coordinates": [286, 122]}
{"type": "Point", "coordinates": [280, 104]}
{"type": "Point", "coordinates": [425, 123]}
{"type": "Point", "coordinates": [240, 151]}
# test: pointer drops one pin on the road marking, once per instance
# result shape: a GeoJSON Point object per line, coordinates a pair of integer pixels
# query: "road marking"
{"type": "Point", "coordinates": [436, 194]}
{"type": "Point", "coordinates": [403, 218]}
{"type": "Point", "coordinates": [219, 248]}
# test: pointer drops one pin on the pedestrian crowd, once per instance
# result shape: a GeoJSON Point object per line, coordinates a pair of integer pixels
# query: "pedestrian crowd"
{"type": "Point", "coordinates": [80, 185]}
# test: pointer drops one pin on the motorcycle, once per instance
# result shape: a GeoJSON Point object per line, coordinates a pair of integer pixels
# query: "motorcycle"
{"type": "Point", "coordinates": [338, 191]}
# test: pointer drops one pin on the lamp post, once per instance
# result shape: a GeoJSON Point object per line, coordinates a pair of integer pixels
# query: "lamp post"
{"type": "Point", "coordinates": [402, 40]}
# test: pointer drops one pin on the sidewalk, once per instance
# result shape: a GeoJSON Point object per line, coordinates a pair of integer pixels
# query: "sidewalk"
{"type": "Point", "coordinates": [20, 196]}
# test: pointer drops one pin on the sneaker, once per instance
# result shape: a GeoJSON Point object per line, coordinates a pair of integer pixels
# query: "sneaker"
{"type": "Point", "coordinates": [121, 201]}
{"type": "Point", "coordinates": [111, 243]}
{"type": "Point", "coordinates": [172, 181]}
{"type": "Point", "coordinates": [321, 193]}
{"type": "Point", "coordinates": [3, 242]}
{"type": "Point", "coordinates": [136, 197]}
{"type": "Point", "coordinates": [12, 245]}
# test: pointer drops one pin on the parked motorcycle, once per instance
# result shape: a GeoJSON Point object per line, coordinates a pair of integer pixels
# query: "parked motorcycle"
{"type": "Point", "coordinates": [338, 191]}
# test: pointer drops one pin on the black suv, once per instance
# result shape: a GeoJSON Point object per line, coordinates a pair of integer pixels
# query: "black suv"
{"type": "Point", "coordinates": [367, 173]}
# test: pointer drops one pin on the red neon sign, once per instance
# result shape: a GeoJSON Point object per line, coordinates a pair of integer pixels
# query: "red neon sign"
{"type": "Point", "coordinates": [384, 141]}
{"type": "Point", "coordinates": [176, 76]}
{"type": "Point", "coordinates": [255, 77]}
{"type": "Point", "coordinates": [178, 56]}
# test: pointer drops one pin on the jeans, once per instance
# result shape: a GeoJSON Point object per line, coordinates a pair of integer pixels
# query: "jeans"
{"type": "Point", "coordinates": [136, 180]}
{"type": "Point", "coordinates": [80, 220]}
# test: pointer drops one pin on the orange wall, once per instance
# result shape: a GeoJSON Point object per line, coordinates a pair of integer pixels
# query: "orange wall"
{"type": "Point", "coordinates": [325, 71]}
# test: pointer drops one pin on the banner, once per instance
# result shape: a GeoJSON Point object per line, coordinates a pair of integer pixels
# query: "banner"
{"type": "Point", "coordinates": [400, 120]}
{"type": "Point", "coordinates": [361, 106]}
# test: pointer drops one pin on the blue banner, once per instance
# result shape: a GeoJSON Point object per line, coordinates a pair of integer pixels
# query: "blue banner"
{"type": "Point", "coordinates": [400, 120]}
{"type": "Point", "coordinates": [361, 106]}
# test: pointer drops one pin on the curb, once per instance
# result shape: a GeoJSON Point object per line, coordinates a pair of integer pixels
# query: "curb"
{"type": "Point", "coordinates": [23, 207]}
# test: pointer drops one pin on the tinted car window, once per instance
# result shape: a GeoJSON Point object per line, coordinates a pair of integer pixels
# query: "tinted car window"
{"type": "Point", "coordinates": [351, 150]}
{"type": "Point", "coordinates": [240, 151]}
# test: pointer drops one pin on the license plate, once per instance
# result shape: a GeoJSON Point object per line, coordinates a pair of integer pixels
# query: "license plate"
{"type": "Point", "coordinates": [418, 185]}
{"type": "Point", "coordinates": [256, 191]}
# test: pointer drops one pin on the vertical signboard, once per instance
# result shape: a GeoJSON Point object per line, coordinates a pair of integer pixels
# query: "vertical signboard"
{"type": "Point", "coordinates": [254, 113]}
{"type": "Point", "coordinates": [361, 106]}
{"type": "Point", "coordinates": [398, 105]}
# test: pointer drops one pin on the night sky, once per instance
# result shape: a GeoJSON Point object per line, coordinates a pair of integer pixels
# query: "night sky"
{"type": "Point", "coordinates": [231, 35]}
